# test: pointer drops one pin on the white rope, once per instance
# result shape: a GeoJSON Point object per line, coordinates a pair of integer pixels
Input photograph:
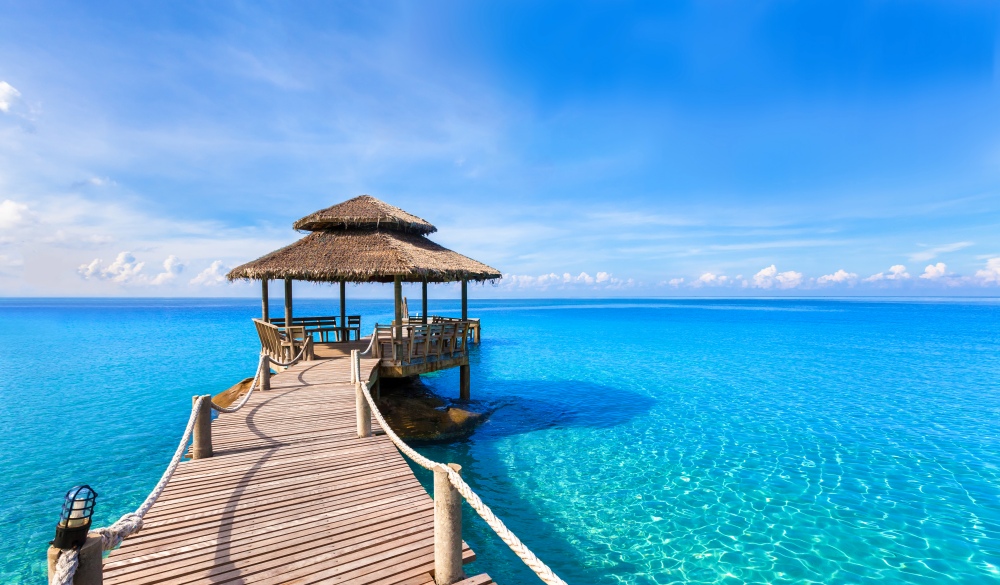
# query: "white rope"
{"type": "Point", "coordinates": [294, 359]}
{"type": "Point", "coordinates": [510, 539]}
{"type": "Point", "coordinates": [263, 363]}
{"type": "Point", "coordinates": [65, 567]}
{"type": "Point", "coordinates": [371, 344]}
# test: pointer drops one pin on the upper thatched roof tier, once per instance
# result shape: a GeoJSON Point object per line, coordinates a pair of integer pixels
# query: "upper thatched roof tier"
{"type": "Point", "coordinates": [364, 211]}
{"type": "Point", "coordinates": [364, 255]}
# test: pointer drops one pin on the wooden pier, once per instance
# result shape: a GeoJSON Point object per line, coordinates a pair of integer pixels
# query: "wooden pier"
{"type": "Point", "coordinates": [291, 495]}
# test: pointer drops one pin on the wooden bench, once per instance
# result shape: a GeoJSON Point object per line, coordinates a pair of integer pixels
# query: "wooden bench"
{"type": "Point", "coordinates": [283, 345]}
{"type": "Point", "coordinates": [324, 326]}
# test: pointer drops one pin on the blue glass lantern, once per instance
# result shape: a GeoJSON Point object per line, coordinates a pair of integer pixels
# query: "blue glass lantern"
{"type": "Point", "coordinates": [74, 521]}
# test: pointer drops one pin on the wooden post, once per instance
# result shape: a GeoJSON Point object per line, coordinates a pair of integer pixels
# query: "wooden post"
{"type": "Point", "coordinates": [343, 312]}
{"type": "Point", "coordinates": [364, 412]}
{"type": "Point", "coordinates": [465, 300]}
{"type": "Point", "coordinates": [447, 529]}
{"type": "Point", "coordinates": [465, 382]}
{"type": "Point", "coordinates": [264, 302]}
{"type": "Point", "coordinates": [423, 303]}
{"type": "Point", "coordinates": [202, 446]}
{"type": "Point", "coordinates": [90, 571]}
{"type": "Point", "coordinates": [265, 375]}
{"type": "Point", "coordinates": [288, 302]}
{"type": "Point", "coordinates": [397, 331]}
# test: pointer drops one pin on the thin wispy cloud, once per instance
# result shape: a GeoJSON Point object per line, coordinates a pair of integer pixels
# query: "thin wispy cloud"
{"type": "Point", "coordinates": [933, 252]}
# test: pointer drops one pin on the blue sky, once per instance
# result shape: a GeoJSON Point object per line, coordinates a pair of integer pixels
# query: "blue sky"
{"type": "Point", "coordinates": [584, 149]}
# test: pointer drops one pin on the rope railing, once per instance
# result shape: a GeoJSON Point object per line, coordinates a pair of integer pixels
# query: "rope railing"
{"type": "Point", "coordinates": [509, 538]}
{"type": "Point", "coordinates": [130, 523]}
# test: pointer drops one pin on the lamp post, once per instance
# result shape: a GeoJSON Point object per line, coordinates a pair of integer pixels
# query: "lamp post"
{"type": "Point", "coordinates": [72, 532]}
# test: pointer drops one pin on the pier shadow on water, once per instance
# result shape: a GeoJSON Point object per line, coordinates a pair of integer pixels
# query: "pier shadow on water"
{"type": "Point", "coordinates": [532, 406]}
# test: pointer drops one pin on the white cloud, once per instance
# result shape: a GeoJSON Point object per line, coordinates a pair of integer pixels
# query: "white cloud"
{"type": "Point", "coordinates": [711, 279]}
{"type": "Point", "coordinates": [934, 271]}
{"type": "Point", "coordinates": [8, 97]}
{"type": "Point", "coordinates": [123, 270]}
{"type": "Point", "coordinates": [603, 277]}
{"type": "Point", "coordinates": [214, 275]}
{"type": "Point", "coordinates": [896, 272]}
{"type": "Point", "coordinates": [676, 282]}
{"type": "Point", "coordinates": [171, 268]}
{"type": "Point", "coordinates": [770, 277]}
{"type": "Point", "coordinates": [990, 274]}
{"type": "Point", "coordinates": [14, 215]}
{"type": "Point", "coordinates": [932, 253]}
{"type": "Point", "coordinates": [838, 277]}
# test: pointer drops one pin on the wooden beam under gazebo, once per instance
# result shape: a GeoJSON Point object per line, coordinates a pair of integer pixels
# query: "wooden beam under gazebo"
{"type": "Point", "coordinates": [367, 240]}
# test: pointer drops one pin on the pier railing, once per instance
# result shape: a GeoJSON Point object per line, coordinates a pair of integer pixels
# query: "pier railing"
{"type": "Point", "coordinates": [448, 484]}
{"type": "Point", "coordinates": [416, 343]}
{"type": "Point", "coordinates": [64, 563]}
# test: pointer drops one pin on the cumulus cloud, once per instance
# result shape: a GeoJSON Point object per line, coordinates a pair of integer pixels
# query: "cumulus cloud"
{"type": "Point", "coordinates": [124, 269]}
{"type": "Point", "coordinates": [990, 274]}
{"type": "Point", "coordinates": [9, 96]}
{"type": "Point", "coordinates": [14, 215]}
{"type": "Point", "coordinates": [838, 277]}
{"type": "Point", "coordinates": [171, 268]}
{"type": "Point", "coordinates": [897, 272]}
{"type": "Point", "coordinates": [770, 277]}
{"type": "Point", "coordinates": [676, 282]}
{"type": "Point", "coordinates": [214, 275]}
{"type": "Point", "coordinates": [935, 271]}
{"type": "Point", "coordinates": [711, 279]}
{"type": "Point", "coordinates": [604, 280]}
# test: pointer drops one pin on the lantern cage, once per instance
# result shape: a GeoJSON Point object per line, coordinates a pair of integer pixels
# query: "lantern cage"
{"type": "Point", "coordinates": [74, 521]}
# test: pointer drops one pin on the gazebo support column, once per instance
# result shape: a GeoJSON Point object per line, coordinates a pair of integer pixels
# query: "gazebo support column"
{"type": "Point", "coordinates": [464, 373]}
{"type": "Point", "coordinates": [397, 331]}
{"type": "Point", "coordinates": [288, 302]}
{"type": "Point", "coordinates": [265, 309]}
{"type": "Point", "coordinates": [423, 303]}
{"type": "Point", "coordinates": [343, 312]}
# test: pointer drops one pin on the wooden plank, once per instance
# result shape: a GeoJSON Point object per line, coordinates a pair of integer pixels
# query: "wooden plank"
{"type": "Point", "coordinates": [291, 495]}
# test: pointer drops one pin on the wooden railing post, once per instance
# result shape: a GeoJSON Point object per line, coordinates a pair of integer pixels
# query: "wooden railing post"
{"type": "Point", "coordinates": [265, 374]}
{"type": "Point", "coordinates": [202, 444]}
{"type": "Point", "coordinates": [447, 529]}
{"type": "Point", "coordinates": [364, 412]}
{"type": "Point", "coordinates": [90, 571]}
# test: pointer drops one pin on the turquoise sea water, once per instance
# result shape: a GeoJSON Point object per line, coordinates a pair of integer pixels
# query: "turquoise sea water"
{"type": "Point", "coordinates": [652, 441]}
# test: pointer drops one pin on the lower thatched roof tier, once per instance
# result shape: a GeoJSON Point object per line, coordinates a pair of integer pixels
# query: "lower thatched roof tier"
{"type": "Point", "coordinates": [369, 255]}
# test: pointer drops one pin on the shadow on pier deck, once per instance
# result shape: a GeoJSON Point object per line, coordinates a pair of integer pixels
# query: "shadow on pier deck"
{"type": "Point", "coordinates": [291, 495]}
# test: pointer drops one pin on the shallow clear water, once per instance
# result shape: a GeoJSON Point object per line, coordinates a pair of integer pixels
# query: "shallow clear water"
{"type": "Point", "coordinates": [633, 441]}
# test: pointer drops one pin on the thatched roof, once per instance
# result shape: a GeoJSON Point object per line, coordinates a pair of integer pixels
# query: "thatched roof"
{"type": "Point", "coordinates": [364, 255]}
{"type": "Point", "coordinates": [364, 212]}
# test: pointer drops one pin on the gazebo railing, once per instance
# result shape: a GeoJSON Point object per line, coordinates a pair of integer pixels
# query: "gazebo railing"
{"type": "Point", "coordinates": [416, 343]}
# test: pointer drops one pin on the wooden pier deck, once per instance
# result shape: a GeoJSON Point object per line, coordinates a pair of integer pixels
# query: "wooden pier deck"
{"type": "Point", "coordinates": [291, 495]}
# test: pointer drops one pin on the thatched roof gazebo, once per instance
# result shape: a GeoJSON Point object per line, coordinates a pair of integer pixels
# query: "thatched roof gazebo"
{"type": "Point", "coordinates": [361, 240]}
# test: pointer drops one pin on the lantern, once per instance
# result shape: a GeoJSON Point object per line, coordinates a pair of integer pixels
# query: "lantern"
{"type": "Point", "coordinates": [74, 521]}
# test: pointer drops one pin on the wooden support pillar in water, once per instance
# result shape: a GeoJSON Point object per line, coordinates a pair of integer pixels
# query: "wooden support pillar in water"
{"type": "Point", "coordinates": [90, 570]}
{"type": "Point", "coordinates": [202, 436]}
{"type": "Point", "coordinates": [447, 529]}
{"type": "Point", "coordinates": [465, 382]}
{"type": "Point", "coordinates": [423, 303]}
{"type": "Point", "coordinates": [342, 335]}
{"type": "Point", "coordinates": [265, 309]}
{"type": "Point", "coordinates": [288, 302]}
